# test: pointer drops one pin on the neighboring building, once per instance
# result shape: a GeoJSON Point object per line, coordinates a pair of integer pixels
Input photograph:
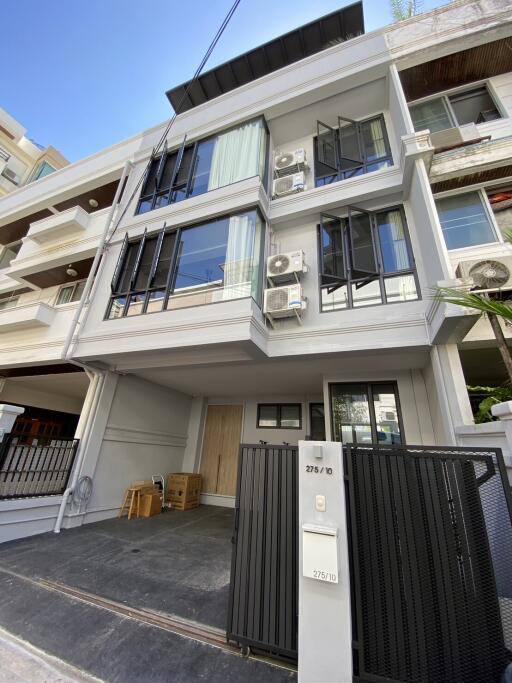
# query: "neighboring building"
{"type": "Point", "coordinates": [315, 146]}
{"type": "Point", "coordinates": [22, 160]}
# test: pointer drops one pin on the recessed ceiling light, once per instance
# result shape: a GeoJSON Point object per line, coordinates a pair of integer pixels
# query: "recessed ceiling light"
{"type": "Point", "coordinates": [93, 202]}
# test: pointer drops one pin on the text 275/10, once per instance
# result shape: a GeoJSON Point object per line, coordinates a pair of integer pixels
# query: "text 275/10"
{"type": "Point", "coordinates": [315, 469]}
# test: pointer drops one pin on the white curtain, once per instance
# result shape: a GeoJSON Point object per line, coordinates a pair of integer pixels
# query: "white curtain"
{"type": "Point", "coordinates": [397, 237]}
{"type": "Point", "coordinates": [238, 154]}
{"type": "Point", "coordinates": [377, 135]}
{"type": "Point", "coordinates": [241, 266]}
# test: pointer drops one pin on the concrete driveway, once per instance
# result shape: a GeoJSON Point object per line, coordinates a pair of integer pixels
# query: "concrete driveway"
{"type": "Point", "coordinates": [101, 597]}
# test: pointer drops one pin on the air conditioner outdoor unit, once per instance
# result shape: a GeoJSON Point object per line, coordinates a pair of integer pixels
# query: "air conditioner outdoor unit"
{"type": "Point", "coordinates": [487, 274]}
{"type": "Point", "coordinates": [455, 137]}
{"type": "Point", "coordinates": [283, 302]}
{"type": "Point", "coordinates": [282, 267]}
{"type": "Point", "coordinates": [12, 175]}
{"type": "Point", "coordinates": [286, 163]}
{"type": "Point", "coordinates": [288, 184]}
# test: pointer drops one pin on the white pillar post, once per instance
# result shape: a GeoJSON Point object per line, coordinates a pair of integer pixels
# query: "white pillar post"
{"type": "Point", "coordinates": [503, 411]}
{"type": "Point", "coordinates": [325, 624]}
{"type": "Point", "coordinates": [8, 415]}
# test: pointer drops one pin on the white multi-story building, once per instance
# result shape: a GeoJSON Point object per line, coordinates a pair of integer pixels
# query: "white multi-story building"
{"type": "Point", "coordinates": [269, 274]}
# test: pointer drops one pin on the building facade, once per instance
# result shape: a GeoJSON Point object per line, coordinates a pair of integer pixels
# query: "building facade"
{"type": "Point", "coordinates": [269, 274]}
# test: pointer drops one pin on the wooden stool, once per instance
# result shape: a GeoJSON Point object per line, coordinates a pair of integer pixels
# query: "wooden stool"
{"type": "Point", "coordinates": [131, 502]}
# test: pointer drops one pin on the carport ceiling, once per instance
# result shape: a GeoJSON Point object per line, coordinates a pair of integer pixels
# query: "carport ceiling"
{"type": "Point", "coordinates": [70, 385]}
{"type": "Point", "coordinates": [274, 377]}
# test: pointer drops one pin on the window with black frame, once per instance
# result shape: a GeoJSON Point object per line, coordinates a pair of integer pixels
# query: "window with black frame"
{"type": "Point", "coordinates": [279, 416]}
{"type": "Point", "coordinates": [201, 264]}
{"type": "Point", "coordinates": [365, 413]}
{"type": "Point", "coordinates": [226, 158]}
{"type": "Point", "coordinates": [365, 259]}
{"type": "Point", "coordinates": [351, 149]}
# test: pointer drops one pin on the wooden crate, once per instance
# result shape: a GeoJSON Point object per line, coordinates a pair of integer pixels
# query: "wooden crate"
{"type": "Point", "coordinates": [184, 490]}
{"type": "Point", "coordinates": [150, 504]}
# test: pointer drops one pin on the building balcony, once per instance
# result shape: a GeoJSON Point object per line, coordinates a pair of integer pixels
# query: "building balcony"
{"type": "Point", "coordinates": [60, 226]}
{"type": "Point", "coordinates": [32, 315]}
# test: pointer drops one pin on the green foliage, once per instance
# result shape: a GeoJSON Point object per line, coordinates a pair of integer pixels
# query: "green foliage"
{"type": "Point", "coordinates": [493, 396]}
{"type": "Point", "coordinates": [404, 9]}
{"type": "Point", "coordinates": [502, 309]}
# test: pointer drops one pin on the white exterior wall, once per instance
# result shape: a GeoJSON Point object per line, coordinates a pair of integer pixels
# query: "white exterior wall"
{"type": "Point", "coordinates": [145, 434]}
{"type": "Point", "coordinates": [141, 428]}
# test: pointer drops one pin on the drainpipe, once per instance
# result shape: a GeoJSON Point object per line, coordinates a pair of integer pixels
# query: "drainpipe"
{"type": "Point", "coordinates": [97, 379]}
{"type": "Point", "coordinates": [99, 252]}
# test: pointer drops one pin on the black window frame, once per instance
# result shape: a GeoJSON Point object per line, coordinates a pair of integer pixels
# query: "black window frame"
{"type": "Point", "coordinates": [332, 283]}
{"type": "Point", "coordinates": [369, 388]}
{"type": "Point", "coordinates": [311, 406]}
{"type": "Point", "coordinates": [360, 165]}
{"type": "Point", "coordinates": [154, 191]}
{"type": "Point", "coordinates": [119, 272]}
{"type": "Point", "coordinates": [279, 407]}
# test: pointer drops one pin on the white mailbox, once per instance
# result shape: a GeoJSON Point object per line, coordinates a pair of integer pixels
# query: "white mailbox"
{"type": "Point", "coordinates": [320, 553]}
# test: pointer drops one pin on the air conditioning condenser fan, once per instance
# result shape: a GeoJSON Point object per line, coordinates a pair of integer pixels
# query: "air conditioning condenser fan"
{"type": "Point", "coordinates": [279, 264]}
{"type": "Point", "coordinates": [489, 274]}
{"type": "Point", "coordinates": [284, 160]}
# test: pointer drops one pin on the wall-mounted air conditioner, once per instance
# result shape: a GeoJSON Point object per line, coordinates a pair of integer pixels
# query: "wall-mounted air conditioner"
{"type": "Point", "coordinates": [286, 163]}
{"type": "Point", "coordinates": [283, 302]}
{"type": "Point", "coordinates": [487, 274]}
{"type": "Point", "coordinates": [288, 185]}
{"type": "Point", "coordinates": [11, 175]}
{"type": "Point", "coordinates": [281, 267]}
{"type": "Point", "coordinates": [455, 137]}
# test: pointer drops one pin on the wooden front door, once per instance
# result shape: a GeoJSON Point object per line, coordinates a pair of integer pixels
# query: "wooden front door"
{"type": "Point", "coordinates": [221, 444]}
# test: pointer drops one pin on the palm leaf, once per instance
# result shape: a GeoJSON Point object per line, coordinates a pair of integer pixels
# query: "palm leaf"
{"type": "Point", "coordinates": [476, 301]}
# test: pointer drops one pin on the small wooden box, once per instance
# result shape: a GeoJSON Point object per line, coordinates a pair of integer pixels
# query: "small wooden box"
{"type": "Point", "coordinates": [184, 490]}
{"type": "Point", "coordinates": [150, 504]}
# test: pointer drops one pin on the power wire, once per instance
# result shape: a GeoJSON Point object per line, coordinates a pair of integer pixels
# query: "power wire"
{"type": "Point", "coordinates": [162, 140]}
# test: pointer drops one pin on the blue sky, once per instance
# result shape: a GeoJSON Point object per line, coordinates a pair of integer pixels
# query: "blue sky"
{"type": "Point", "coordinates": [84, 74]}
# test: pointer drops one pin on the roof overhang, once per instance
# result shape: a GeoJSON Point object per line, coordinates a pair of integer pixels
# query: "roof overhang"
{"type": "Point", "coordinates": [291, 47]}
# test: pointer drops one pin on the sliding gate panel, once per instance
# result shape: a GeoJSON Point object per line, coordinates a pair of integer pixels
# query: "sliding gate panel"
{"type": "Point", "coordinates": [262, 611]}
{"type": "Point", "coordinates": [431, 555]}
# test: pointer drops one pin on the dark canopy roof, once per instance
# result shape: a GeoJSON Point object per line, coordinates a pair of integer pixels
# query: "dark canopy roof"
{"type": "Point", "coordinates": [302, 42]}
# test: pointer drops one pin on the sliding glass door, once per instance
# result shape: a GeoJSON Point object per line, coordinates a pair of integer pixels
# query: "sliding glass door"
{"type": "Point", "coordinates": [365, 413]}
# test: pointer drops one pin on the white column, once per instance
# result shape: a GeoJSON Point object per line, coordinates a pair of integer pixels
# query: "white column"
{"type": "Point", "coordinates": [503, 411]}
{"type": "Point", "coordinates": [325, 625]}
{"type": "Point", "coordinates": [192, 456]}
{"type": "Point", "coordinates": [451, 392]}
{"type": "Point", "coordinates": [8, 415]}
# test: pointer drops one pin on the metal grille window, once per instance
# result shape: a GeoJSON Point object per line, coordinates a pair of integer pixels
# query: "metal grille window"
{"type": "Point", "coordinates": [279, 416]}
{"type": "Point", "coordinates": [226, 158]}
{"type": "Point", "coordinates": [216, 261]}
{"type": "Point", "coordinates": [366, 413]}
{"type": "Point", "coordinates": [467, 106]}
{"type": "Point", "coordinates": [354, 148]}
{"type": "Point", "coordinates": [365, 259]}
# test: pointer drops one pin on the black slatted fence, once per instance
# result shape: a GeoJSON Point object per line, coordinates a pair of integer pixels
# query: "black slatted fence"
{"type": "Point", "coordinates": [262, 611]}
{"type": "Point", "coordinates": [431, 556]}
{"type": "Point", "coordinates": [35, 466]}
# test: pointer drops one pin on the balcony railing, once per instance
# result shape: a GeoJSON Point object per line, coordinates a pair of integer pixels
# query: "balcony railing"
{"type": "Point", "coordinates": [35, 466]}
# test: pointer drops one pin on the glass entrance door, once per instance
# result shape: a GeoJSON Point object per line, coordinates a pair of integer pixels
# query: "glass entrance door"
{"type": "Point", "coordinates": [365, 413]}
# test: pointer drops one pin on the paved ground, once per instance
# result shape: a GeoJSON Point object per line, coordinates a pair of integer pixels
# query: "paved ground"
{"type": "Point", "coordinates": [20, 662]}
{"type": "Point", "coordinates": [175, 563]}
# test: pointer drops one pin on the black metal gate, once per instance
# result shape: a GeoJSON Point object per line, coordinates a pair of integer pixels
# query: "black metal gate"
{"type": "Point", "coordinates": [262, 611]}
{"type": "Point", "coordinates": [431, 556]}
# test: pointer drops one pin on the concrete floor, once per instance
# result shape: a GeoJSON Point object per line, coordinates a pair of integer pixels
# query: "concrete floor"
{"type": "Point", "coordinates": [176, 563]}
